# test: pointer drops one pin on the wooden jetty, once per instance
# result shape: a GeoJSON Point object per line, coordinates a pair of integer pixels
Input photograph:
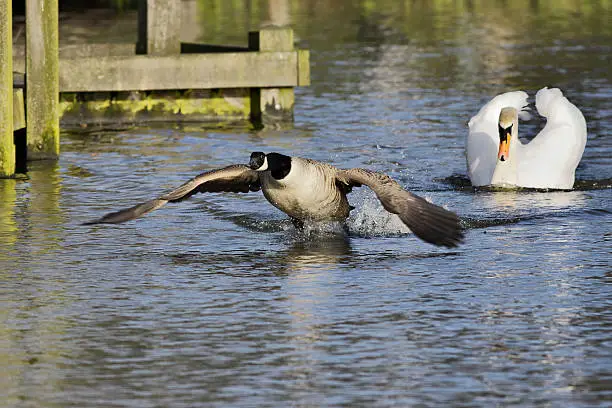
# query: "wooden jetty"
{"type": "Point", "coordinates": [158, 78]}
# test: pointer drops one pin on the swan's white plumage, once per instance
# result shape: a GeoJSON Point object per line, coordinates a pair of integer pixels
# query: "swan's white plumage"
{"type": "Point", "coordinates": [548, 161]}
{"type": "Point", "coordinates": [483, 138]}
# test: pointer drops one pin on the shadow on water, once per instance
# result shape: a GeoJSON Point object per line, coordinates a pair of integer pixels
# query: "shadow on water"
{"type": "Point", "coordinates": [311, 251]}
{"type": "Point", "coordinates": [522, 203]}
{"type": "Point", "coordinates": [461, 182]}
{"type": "Point", "coordinates": [322, 253]}
{"type": "Point", "coordinates": [474, 223]}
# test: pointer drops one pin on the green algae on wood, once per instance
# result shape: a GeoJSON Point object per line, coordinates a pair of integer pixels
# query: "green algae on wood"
{"type": "Point", "coordinates": [141, 106]}
{"type": "Point", "coordinates": [42, 79]}
{"type": "Point", "coordinates": [7, 147]}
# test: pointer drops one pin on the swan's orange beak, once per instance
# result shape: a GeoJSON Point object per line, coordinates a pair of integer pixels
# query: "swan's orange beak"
{"type": "Point", "coordinates": [505, 134]}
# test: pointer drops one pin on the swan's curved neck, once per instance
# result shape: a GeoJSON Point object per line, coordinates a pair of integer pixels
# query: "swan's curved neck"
{"type": "Point", "coordinates": [506, 168]}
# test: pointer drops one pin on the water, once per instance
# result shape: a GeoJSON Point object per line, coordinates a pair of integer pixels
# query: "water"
{"type": "Point", "coordinates": [218, 301]}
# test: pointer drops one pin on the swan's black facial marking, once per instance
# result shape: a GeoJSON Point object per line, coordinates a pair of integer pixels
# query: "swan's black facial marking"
{"type": "Point", "coordinates": [504, 133]}
{"type": "Point", "coordinates": [258, 159]}
{"type": "Point", "coordinates": [279, 165]}
{"type": "Point", "coordinates": [504, 142]}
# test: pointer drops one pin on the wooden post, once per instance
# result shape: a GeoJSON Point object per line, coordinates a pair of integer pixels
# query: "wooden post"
{"type": "Point", "coordinates": [159, 27]}
{"type": "Point", "coordinates": [7, 148]}
{"type": "Point", "coordinates": [18, 110]}
{"type": "Point", "coordinates": [269, 105]}
{"type": "Point", "coordinates": [42, 79]}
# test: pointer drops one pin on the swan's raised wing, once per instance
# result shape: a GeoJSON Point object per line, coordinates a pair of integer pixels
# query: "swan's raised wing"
{"type": "Point", "coordinates": [483, 137]}
{"type": "Point", "coordinates": [236, 178]}
{"type": "Point", "coordinates": [559, 146]}
{"type": "Point", "coordinates": [427, 221]}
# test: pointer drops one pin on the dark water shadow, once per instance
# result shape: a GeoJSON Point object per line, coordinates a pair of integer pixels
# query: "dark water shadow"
{"type": "Point", "coordinates": [297, 254]}
{"type": "Point", "coordinates": [316, 253]}
{"type": "Point", "coordinates": [461, 182]}
{"type": "Point", "coordinates": [250, 221]}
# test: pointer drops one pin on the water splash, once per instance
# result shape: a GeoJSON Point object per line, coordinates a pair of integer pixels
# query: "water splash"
{"type": "Point", "coordinates": [371, 219]}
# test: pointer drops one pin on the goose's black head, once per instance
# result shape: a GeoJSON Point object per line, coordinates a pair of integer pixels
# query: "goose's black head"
{"type": "Point", "coordinates": [278, 164]}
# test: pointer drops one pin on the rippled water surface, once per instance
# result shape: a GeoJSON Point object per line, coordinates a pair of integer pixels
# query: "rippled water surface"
{"type": "Point", "coordinates": [219, 301]}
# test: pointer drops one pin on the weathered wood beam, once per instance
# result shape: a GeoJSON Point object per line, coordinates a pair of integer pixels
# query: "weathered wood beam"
{"type": "Point", "coordinates": [78, 51]}
{"type": "Point", "coordinates": [159, 27]}
{"type": "Point", "coordinates": [96, 50]}
{"type": "Point", "coordinates": [84, 50]}
{"type": "Point", "coordinates": [7, 147]}
{"type": "Point", "coordinates": [19, 121]}
{"type": "Point", "coordinates": [187, 71]}
{"type": "Point", "coordinates": [114, 108]}
{"type": "Point", "coordinates": [42, 73]}
{"type": "Point", "coordinates": [303, 68]}
{"type": "Point", "coordinates": [271, 103]}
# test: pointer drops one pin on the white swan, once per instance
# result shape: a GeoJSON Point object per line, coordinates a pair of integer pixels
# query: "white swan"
{"type": "Point", "coordinates": [495, 155]}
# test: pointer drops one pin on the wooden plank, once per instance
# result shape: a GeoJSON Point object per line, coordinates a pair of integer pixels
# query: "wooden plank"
{"type": "Point", "coordinates": [103, 108]}
{"type": "Point", "coordinates": [159, 27]}
{"type": "Point", "coordinates": [85, 50]}
{"type": "Point", "coordinates": [78, 51]}
{"type": "Point", "coordinates": [271, 39]}
{"type": "Point", "coordinates": [7, 147]}
{"type": "Point", "coordinates": [189, 71]}
{"type": "Point", "coordinates": [42, 73]}
{"type": "Point", "coordinates": [96, 50]}
{"type": "Point", "coordinates": [272, 103]}
{"type": "Point", "coordinates": [19, 121]}
{"type": "Point", "coordinates": [303, 68]}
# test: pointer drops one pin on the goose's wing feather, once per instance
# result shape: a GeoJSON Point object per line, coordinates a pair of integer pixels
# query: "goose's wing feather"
{"type": "Point", "coordinates": [236, 178]}
{"type": "Point", "coordinates": [427, 221]}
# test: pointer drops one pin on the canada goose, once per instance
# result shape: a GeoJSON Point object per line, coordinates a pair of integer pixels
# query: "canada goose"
{"type": "Point", "coordinates": [495, 155]}
{"type": "Point", "coordinates": [307, 190]}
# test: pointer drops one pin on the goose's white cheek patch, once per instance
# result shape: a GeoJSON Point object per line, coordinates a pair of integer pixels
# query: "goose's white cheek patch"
{"type": "Point", "coordinates": [264, 166]}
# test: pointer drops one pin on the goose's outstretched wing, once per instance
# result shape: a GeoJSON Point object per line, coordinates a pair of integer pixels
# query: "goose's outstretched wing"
{"type": "Point", "coordinates": [427, 221]}
{"type": "Point", "coordinates": [236, 178]}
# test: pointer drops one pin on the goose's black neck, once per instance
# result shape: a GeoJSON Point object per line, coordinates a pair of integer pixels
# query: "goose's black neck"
{"type": "Point", "coordinates": [279, 165]}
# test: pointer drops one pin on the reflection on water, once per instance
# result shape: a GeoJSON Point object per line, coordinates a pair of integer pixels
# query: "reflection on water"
{"type": "Point", "coordinates": [30, 213]}
{"type": "Point", "coordinates": [219, 301]}
{"type": "Point", "coordinates": [317, 253]}
{"type": "Point", "coordinates": [519, 200]}
{"type": "Point", "coordinates": [35, 300]}
{"type": "Point", "coordinates": [8, 197]}
{"type": "Point", "coordinates": [314, 252]}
